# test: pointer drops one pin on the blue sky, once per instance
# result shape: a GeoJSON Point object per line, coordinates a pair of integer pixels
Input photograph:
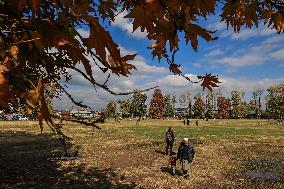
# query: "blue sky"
{"type": "Point", "coordinates": [251, 59]}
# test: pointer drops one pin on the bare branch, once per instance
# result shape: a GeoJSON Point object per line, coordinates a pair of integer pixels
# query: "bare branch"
{"type": "Point", "coordinates": [105, 87]}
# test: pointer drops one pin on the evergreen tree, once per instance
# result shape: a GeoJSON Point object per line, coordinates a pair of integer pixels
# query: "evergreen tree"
{"type": "Point", "coordinates": [199, 107]}
{"type": "Point", "coordinates": [238, 109]}
{"type": "Point", "coordinates": [110, 109]}
{"type": "Point", "coordinates": [124, 106]}
{"type": "Point", "coordinates": [138, 108]}
{"type": "Point", "coordinates": [275, 101]}
{"type": "Point", "coordinates": [245, 109]}
{"type": "Point", "coordinates": [156, 105]}
{"type": "Point", "coordinates": [169, 108]}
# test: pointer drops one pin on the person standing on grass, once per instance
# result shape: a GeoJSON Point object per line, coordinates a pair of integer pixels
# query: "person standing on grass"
{"type": "Point", "coordinates": [186, 155]}
{"type": "Point", "coordinates": [187, 122]}
{"type": "Point", "coordinates": [170, 139]}
{"type": "Point", "coordinates": [197, 124]}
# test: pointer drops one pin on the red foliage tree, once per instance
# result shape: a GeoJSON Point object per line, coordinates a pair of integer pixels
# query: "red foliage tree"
{"type": "Point", "coordinates": [223, 105]}
{"type": "Point", "coordinates": [156, 105]}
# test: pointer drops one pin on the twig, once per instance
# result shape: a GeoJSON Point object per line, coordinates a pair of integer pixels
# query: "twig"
{"type": "Point", "coordinates": [72, 99]}
{"type": "Point", "coordinates": [27, 41]}
{"type": "Point", "coordinates": [105, 87]}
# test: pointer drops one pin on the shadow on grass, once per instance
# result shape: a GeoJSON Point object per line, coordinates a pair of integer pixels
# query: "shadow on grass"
{"type": "Point", "coordinates": [169, 171]}
{"type": "Point", "coordinates": [261, 169]}
{"type": "Point", "coordinates": [34, 161]}
{"type": "Point", "coordinates": [160, 152]}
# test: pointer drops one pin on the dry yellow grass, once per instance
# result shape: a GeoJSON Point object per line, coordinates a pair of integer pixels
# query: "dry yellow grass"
{"type": "Point", "coordinates": [230, 154]}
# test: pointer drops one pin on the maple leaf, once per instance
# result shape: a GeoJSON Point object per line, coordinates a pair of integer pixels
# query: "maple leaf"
{"type": "Point", "coordinates": [100, 39]}
{"type": "Point", "coordinates": [128, 57]}
{"type": "Point", "coordinates": [76, 54]}
{"type": "Point", "coordinates": [175, 68]}
{"type": "Point", "coordinates": [141, 19]}
{"type": "Point", "coordinates": [35, 99]}
{"type": "Point", "coordinates": [209, 81]}
{"type": "Point", "coordinates": [123, 68]}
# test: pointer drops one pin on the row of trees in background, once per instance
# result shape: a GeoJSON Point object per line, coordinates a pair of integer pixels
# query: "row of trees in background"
{"type": "Point", "coordinates": [132, 107]}
{"type": "Point", "coordinates": [210, 105]}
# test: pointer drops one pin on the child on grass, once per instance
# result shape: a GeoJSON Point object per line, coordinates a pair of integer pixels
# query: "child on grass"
{"type": "Point", "coordinates": [173, 163]}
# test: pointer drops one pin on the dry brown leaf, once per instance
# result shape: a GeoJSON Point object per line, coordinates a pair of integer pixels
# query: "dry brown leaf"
{"type": "Point", "coordinates": [209, 81]}
{"type": "Point", "coordinates": [175, 68]}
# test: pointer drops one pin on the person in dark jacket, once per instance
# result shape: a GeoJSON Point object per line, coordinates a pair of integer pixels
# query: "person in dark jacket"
{"type": "Point", "coordinates": [170, 139]}
{"type": "Point", "coordinates": [186, 155]}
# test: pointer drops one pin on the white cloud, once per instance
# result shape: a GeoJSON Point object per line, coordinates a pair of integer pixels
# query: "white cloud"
{"type": "Point", "coordinates": [278, 55]}
{"type": "Point", "coordinates": [215, 52]}
{"type": "Point", "coordinates": [274, 39]}
{"type": "Point", "coordinates": [253, 54]}
{"type": "Point", "coordinates": [256, 32]}
{"type": "Point", "coordinates": [219, 26]}
{"type": "Point", "coordinates": [126, 24]}
{"type": "Point", "coordinates": [147, 75]}
{"type": "Point", "coordinates": [245, 33]}
{"type": "Point", "coordinates": [242, 61]}
{"type": "Point", "coordinates": [83, 32]}
{"type": "Point", "coordinates": [141, 78]}
{"type": "Point", "coordinates": [228, 84]}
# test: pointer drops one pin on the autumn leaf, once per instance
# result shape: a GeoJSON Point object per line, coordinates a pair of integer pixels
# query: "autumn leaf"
{"type": "Point", "coordinates": [209, 81]}
{"type": "Point", "coordinates": [141, 19]}
{"type": "Point", "coordinates": [77, 55]}
{"type": "Point", "coordinates": [175, 68]}
{"type": "Point", "coordinates": [100, 39]}
{"type": "Point", "coordinates": [14, 50]}
{"type": "Point", "coordinates": [36, 100]}
{"type": "Point", "coordinates": [121, 69]}
{"type": "Point", "coordinates": [62, 42]}
{"type": "Point", "coordinates": [128, 57]}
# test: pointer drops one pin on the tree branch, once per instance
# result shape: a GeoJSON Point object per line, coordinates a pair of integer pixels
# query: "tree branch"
{"type": "Point", "coordinates": [103, 86]}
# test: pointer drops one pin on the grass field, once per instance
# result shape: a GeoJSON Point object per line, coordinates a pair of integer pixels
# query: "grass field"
{"type": "Point", "coordinates": [229, 154]}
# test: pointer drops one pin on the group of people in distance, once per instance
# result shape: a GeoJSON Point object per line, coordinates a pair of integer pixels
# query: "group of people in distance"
{"type": "Point", "coordinates": [196, 122]}
{"type": "Point", "coordinates": [185, 154]}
